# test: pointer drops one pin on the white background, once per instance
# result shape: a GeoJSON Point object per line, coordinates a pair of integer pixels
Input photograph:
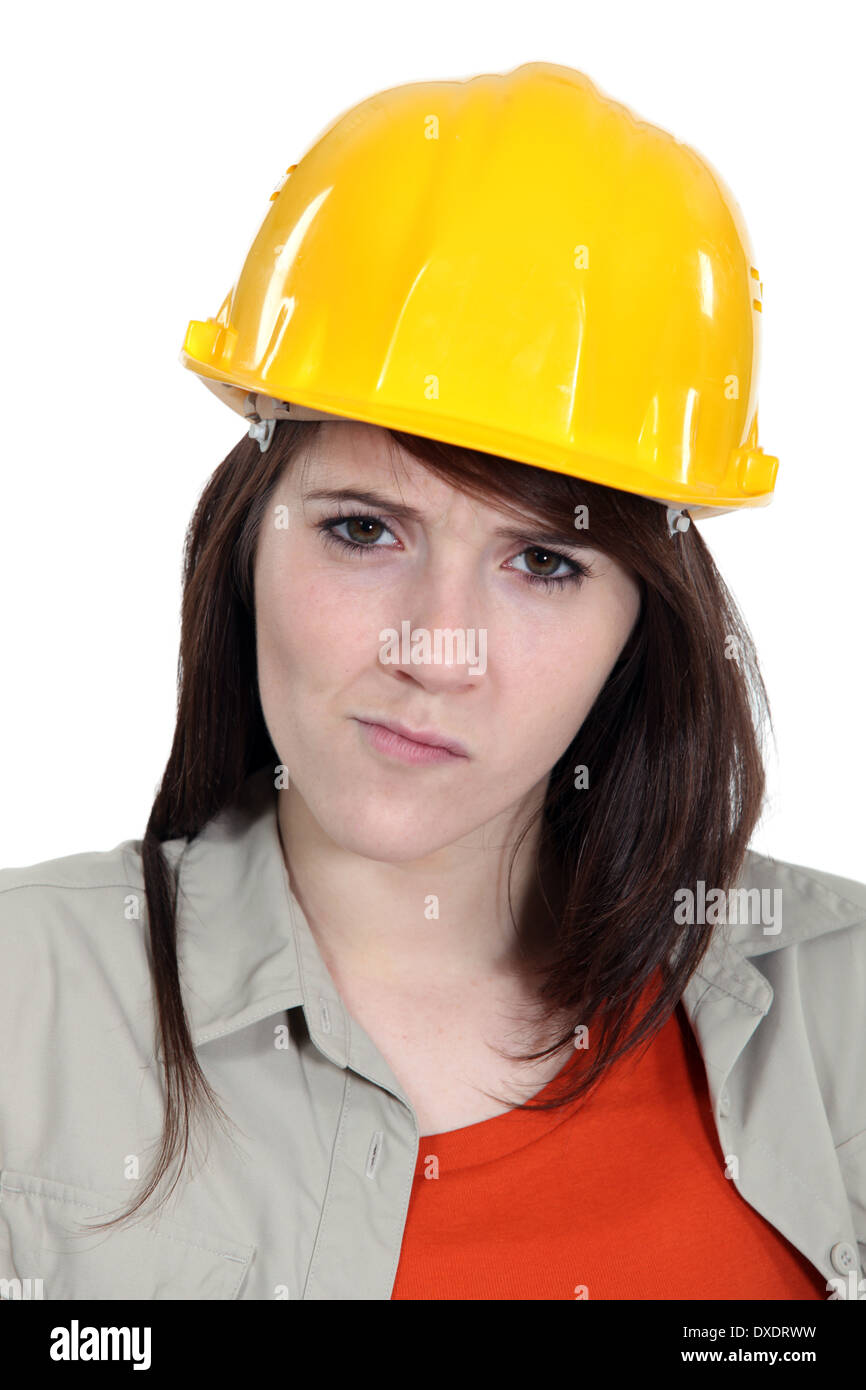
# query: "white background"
{"type": "Point", "coordinates": [141, 147]}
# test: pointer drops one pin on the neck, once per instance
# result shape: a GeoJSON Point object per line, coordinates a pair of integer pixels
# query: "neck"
{"type": "Point", "coordinates": [442, 918]}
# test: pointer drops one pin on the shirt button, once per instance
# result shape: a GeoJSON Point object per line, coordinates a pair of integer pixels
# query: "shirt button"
{"type": "Point", "coordinates": [724, 1103]}
{"type": "Point", "coordinates": [843, 1257]}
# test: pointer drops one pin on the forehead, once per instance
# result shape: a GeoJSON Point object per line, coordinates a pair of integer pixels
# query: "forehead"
{"type": "Point", "coordinates": [354, 455]}
{"type": "Point", "coordinates": [361, 450]}
{"type": "Point", "coordinates": [352, 458]}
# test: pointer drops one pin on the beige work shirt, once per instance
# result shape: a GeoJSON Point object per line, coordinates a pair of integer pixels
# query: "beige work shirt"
{"type": "Point", "coordinates": [308, 1200]}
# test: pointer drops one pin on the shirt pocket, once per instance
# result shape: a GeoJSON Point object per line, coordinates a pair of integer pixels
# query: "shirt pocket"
{"type": "Point", "coordinates": [42, 1238]}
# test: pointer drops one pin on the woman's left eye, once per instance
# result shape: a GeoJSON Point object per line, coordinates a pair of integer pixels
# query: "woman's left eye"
{"type": "Point", "coordinates": [549, 562]}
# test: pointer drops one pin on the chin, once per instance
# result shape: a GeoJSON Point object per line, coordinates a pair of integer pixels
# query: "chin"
{"type": "Point", "coordinates": [396, 851]}
{"type": "Point", "coordinates": [378, 828]}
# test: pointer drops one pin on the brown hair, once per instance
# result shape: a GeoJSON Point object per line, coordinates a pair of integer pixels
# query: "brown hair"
{"type": "Point", "coordinates": [672, 744]}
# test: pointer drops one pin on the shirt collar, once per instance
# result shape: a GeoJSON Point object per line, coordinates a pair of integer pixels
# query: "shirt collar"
{"type": "Point", "coordinates": [789, 904]}
{"type": "Point", "coordinates": [246, 950]}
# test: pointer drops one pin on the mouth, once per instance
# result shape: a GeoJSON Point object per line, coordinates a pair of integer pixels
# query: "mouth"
{"type": "Point", "coordinates": [410, 745]}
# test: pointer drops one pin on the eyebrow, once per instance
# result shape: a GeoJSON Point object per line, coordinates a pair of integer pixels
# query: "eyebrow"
{"type": "Point", "coordinates": [401, 512]}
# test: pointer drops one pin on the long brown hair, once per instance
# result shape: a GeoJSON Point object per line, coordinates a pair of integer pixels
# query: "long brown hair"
{"type": "Point", "coordinates": [673, 747]}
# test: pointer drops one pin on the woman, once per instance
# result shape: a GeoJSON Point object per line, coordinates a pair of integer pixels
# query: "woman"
{"type": "Point", "coordinates": [445, 907]}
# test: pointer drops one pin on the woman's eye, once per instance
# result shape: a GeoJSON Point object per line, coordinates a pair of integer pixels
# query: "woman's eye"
{"type": "Point", "coordinates": [546, 567]}
{"type": "Point", "coordinates": [364, 532]}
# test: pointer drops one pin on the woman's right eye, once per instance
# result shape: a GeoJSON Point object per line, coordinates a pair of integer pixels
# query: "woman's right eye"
{"type": "Point", "coordinates": [369, 528]}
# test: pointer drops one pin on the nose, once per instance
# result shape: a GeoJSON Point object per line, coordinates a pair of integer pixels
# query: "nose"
{"type": "Point", "coordinates": [438, 643]}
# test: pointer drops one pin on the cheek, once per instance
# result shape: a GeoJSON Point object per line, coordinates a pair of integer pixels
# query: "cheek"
{"type": "Point", "coordinates": [555, 681]}
{"type": "Point", "coordinates": [309, 635]}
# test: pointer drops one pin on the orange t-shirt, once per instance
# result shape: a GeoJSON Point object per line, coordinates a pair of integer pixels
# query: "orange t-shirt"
{"type": "Point", "coordinates": [622, 1198]}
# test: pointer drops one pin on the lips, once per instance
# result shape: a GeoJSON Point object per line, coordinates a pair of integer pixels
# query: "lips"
{"type": "Point", "coordinates": [429, 737]}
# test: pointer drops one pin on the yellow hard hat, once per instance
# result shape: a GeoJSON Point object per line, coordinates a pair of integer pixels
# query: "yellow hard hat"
{"type": "Point", "coordinates": [516, 263]}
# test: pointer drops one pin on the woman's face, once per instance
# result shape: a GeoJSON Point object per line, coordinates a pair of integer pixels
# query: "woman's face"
{"type": "Point", "coordinates": [479, 651]}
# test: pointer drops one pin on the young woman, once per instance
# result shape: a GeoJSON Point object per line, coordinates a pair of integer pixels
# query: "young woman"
{"type": "Point", "coordinates": [445, 907]}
